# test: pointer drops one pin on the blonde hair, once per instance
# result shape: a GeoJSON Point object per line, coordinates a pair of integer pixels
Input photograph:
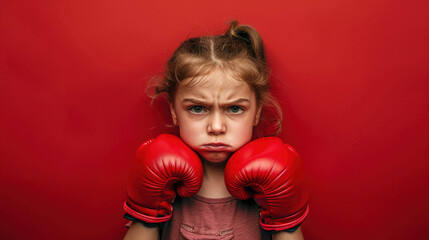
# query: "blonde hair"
{"type": "Point", "coordinates": [240, 51]}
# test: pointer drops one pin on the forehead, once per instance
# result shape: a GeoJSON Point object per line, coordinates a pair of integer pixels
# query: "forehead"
{"type": "Point", "coordinates": [216, 84]}
{"type": "Point", "coordinates": [212, 78]}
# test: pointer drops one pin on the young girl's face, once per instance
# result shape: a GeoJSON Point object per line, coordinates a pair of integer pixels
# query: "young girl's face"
{"type": "Point", "coordinates": [215, 115]}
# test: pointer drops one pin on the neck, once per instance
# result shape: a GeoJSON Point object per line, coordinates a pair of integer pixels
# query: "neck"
{"type": "Point", "coordinates": [213, 184]}
{"type": "Point", "coordinates": [214, 171]}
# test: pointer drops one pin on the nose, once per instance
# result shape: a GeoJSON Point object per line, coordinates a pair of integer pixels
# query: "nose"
{"type": "Point", "coordinates": [216, 125]}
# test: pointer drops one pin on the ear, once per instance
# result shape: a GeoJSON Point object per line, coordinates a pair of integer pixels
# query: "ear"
{"type": "Point", "coordinates": [257, 115]}
{"type": "Point", "coordinates": [173, 114]}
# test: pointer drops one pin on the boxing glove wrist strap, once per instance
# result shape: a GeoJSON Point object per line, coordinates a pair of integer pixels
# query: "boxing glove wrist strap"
{"type": "Point", "coordinates": [286, 223]}
{"type": "Point", "coordinates": [145, 218]}
{"type": "Point", "coordinates": [146, 224]}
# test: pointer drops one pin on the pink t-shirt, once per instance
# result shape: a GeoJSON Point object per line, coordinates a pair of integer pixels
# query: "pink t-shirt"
{"type": "Point", "coordinates": [200, 218]}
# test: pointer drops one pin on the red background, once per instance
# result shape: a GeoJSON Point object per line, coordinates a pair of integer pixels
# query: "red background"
{"type": "Point", "coordinates": [352, 78]}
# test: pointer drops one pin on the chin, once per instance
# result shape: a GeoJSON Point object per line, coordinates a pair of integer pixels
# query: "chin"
{"type": "Point", "coordinates": [216, 157]}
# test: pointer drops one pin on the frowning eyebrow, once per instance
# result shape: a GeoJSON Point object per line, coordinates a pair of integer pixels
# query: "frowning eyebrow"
{"type": "Point", "coordinates": [204, 101]}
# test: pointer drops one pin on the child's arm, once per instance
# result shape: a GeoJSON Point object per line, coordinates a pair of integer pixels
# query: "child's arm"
{"type": "Point", "coordinates": [138, 231]}
{"type": "Point", "coordinates": [297, 235]}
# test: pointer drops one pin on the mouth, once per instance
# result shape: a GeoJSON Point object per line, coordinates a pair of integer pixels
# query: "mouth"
{"type": "Point", "coordinates": [216, 147]}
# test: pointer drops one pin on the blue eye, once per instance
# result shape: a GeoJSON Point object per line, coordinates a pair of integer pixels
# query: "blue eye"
{"type": "Point", "coordinates": [196, 109]}
{"type": "Point", "coordinates": [235, 109]}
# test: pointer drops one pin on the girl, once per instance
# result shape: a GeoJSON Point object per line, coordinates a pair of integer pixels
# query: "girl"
{"type": "Point", "coordinates": [217, 88]}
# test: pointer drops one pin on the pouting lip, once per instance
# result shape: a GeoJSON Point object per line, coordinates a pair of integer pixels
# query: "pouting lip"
{"type": "Point", "coordinates": [216, 146]}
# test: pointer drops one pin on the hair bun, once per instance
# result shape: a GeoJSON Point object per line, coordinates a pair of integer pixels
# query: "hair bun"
{"type": "Point", "coordinates": [238, 32]}
{"type": "Point", "coordinates": [248, 35]}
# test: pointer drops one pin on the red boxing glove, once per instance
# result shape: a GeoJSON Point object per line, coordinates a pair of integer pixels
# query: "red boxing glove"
{"type": "Point", "coordinates": [162, 166]}
{"type": "Point", "coordinates": [271, 172]}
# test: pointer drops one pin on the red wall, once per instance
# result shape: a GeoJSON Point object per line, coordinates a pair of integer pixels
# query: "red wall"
{"type": "Point", "coordinates": [352, 77]}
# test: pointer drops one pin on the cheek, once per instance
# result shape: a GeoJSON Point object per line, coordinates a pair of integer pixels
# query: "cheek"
{"type": "Point", "coordinates": [189, 125]}
{"type": "Point", "coordinates": [242, 130]}
{"type": "Point", "coordinates": [187, 131]}
{"type": "Point", "coordinates": [190, 132]}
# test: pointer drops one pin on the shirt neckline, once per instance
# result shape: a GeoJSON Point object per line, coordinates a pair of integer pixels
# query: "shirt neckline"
{"type": "Point", "coordinates": [214, 200]}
